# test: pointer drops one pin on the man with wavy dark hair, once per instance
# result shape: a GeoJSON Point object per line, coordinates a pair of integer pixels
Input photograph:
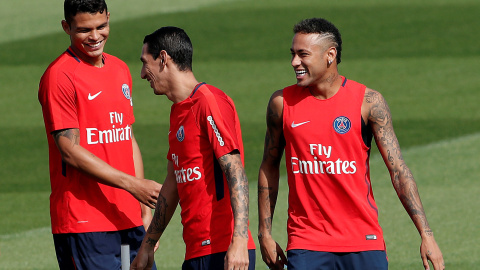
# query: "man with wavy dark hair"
{"type": "Point", "coordinates": [325, 124]}
{"type": "Point", "coordinates": [96, 168]}
{"type": "Point", "coordinates": [205, 167]}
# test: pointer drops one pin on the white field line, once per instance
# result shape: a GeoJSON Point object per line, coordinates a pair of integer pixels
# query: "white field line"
{"type": "Point", "coordinates": [18, 19]}
{"type": "Point", "coordinates": [437, 145]}
{"type": "Point", "coordinates": [28, 234]}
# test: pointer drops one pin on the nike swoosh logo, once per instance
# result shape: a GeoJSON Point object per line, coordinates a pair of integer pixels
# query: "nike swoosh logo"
{"type": "Point", "coordinates": [298, 124]}
{"type": "Point", "coordinates": [90, 97]}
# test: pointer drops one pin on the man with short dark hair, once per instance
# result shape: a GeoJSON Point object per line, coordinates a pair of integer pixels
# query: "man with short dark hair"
{"type": "Point", "coordinates": [96, 168]}
{"type": "Point", "coordinates": [205, 171]}
{"type": "Point", "coordinates": [325, 123]}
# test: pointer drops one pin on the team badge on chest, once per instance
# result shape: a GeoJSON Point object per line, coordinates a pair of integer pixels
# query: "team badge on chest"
{"type": "Point", "coordinates": [342, 124]}
{"type": "Point", "coordinates": [126, 92]}
{"type": "Point", "coordinates": [181, 134]}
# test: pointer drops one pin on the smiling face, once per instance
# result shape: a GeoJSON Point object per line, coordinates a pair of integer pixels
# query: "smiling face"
{"type": "Point", "coordinates": [88, 35]}
{"type": "Point", "coordinates": [310, 57]}
{"type": "Point", "coordinates": [151, 70]}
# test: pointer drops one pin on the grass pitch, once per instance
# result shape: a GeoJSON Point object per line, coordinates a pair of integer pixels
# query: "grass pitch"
{"type": "Point", "coordinates": [423, 57]}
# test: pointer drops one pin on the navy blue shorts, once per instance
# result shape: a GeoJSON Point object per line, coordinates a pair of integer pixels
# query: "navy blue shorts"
{"type": "Point", "coordinates": [214, 262]}
{"type": "Point", "coordinates": [365, 260]}
{"type": "Point", "coordinates": [96, 250]}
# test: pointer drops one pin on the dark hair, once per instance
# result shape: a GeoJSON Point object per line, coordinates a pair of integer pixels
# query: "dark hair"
{"type": "Point", "coordinates": [72, 7]}
{"type": "Point", "coordinates": [175, 42]}
{"type": "Point", "coordinates": [322, 27]}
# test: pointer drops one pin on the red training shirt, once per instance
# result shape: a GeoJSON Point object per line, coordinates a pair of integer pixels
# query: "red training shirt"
{"type": "Point", "coordinates": [203, 128]}
{"type": "Point", "coordinates": [97, 101]}
{"type": "Point", "coordinates": [331, 204]}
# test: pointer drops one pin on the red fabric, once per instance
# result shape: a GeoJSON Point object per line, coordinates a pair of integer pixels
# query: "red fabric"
{"type": "Point", "coordinates": [331, 204]}
{"type": "Point", "coordinates": [203, 128]}
{"type": "Point", "coordinates": [97, 101]}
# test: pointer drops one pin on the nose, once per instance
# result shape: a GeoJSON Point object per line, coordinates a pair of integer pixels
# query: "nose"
{"type": "Point", "coordinates": [143, 74]}
{"type": "Point", "coordinates": [94, 35]}
{"type": "Point", "coordinates": [295, 60]}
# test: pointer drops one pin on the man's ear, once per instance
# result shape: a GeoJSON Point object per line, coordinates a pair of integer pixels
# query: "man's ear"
{"type": "Point", "coordinates": [332, 54]}
{"type": "Point", "coordinates": [66, 27]}
{"type": "Point", "coordinates": [163, 57]}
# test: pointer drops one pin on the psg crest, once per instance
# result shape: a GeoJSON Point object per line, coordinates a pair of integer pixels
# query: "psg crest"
{"type": "Point", "coordinates": [181, 134]}
{"type": "Point", "coordinates": [342, 124]}
{"type": "Point", "coordinates": [126, 90]}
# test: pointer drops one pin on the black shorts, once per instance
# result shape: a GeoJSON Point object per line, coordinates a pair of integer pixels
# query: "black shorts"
{"type": "Point", "coordinates": [214, 262]}
{"type": "Point", "coordinates": [96, 250]}
{"type": "Point", "coordinates": [365, 260]}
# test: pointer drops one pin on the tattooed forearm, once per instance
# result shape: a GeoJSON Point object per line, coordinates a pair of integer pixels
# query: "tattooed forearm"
{"type": "Point", "coordinates": [159, 220]}
{"type": "Point", "coordinates": [270, 200]}
{"type": "Point", "coordinates": [232, 167]}
{"type": "Point", "coordinates": [379, 117]}
{"type": "Point", "coordinates": [152, 242]}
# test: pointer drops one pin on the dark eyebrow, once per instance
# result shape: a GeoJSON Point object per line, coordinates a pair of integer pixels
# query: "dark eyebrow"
{"type": "Point", "coordinates": [298, 51]}
{"type": "Point", "coordinates": [90, 28]}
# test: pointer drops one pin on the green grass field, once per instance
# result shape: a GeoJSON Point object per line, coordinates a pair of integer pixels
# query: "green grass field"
{"type": "Point", "coordinates": [423, 56]}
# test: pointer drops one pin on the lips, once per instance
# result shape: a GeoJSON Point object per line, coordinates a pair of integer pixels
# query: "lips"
{"type": "Point", "coordinates": [94, 46]}
{"type": "Point", "coordinates": [300, 73]}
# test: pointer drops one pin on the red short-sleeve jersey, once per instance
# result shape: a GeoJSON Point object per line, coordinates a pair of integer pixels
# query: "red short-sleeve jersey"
{"type": "Point", "coordinates": [331, 204]}
{"type": "Point", "coordinates": [203, 128]}
{"type": "Point", "coordinates": [98, 102]}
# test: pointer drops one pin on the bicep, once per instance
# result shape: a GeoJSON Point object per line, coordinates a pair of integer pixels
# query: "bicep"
{"type": "Point", "coordinates": [232, 166]}
{"type": "Point", "coordinates": [380, 119]}
{"type": "Point", "coordinates": [66, 138]}
{"type": "Point", "coordinates": [274, 139]}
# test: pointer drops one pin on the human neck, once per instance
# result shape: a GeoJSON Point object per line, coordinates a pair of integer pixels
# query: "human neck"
{"type": "Point", "coordinates": [327, 87]}
{"type": "Point", "coordinates": [182, 86]}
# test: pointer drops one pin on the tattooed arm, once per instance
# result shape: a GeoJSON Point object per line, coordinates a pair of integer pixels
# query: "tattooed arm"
{"type": "Point", "coordinates": [376, 111]}
{"type": "Point", "coordinates": [232, 167]}
{"type": "Point", "coordinates": [268, 179]}
{"type": "Point", "coordinates": [68, 143]}
{"type": "Point", "coordinates": [166, 205]}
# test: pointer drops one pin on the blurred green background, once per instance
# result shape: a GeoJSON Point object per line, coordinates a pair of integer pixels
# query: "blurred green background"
{"type": "Point", "coordinates": [423, 56]}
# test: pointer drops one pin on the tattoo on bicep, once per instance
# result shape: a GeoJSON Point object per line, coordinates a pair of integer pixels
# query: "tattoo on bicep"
{"type": "Point", "coordinates": [72, 134]}
{"type": "Point", "coordinates": [274, 141]}
{"type": "Point", "coordinates": [381, 121]}
{"type": "Point", "coordinates": [159, 221]}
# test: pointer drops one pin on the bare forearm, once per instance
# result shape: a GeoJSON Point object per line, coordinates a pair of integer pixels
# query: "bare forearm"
{"type": "Point", "coordinates": [139, 173]}
{"type": "Point", "coordinates": [81, 159]}
{"type": "Point", "coordinates": [267, 199]}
